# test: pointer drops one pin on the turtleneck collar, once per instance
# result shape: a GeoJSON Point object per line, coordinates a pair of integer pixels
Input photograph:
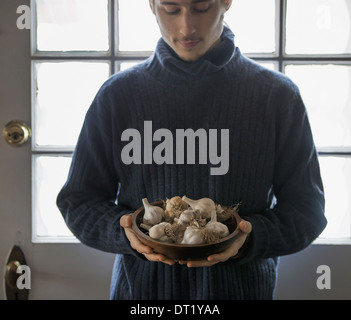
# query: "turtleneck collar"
{"type": "Point", "coordinates": [212, 61]}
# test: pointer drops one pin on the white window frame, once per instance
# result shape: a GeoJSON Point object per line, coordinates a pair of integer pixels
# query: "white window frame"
{"type": "Point", "coordinates": [279, 58]}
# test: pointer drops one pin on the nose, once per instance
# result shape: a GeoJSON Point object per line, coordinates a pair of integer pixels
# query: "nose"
{"type": "Point", "coordinates": [187, 27]}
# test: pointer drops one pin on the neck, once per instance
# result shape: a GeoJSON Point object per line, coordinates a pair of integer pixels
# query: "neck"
{"type": "Point", "coordinates": [166, 61]}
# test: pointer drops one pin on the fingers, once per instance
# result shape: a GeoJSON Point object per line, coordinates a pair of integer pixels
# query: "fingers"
{"type": "Point", "coordinates": [224, 255]}
{"type": "Point", "coordinates": [136, 244]}
{"type": "Point", "coordinates": [200, 263]}
{"type": "Point", "coordinates": [210, 261]}
{"type": "Point", "coordinates": [156, 257]}
{"type": "Point", "coordinates": [233, 249]}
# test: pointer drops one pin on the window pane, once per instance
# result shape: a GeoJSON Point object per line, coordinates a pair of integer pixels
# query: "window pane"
{"type": "Point", "coordinates": [326, 93]}
{"type": "Point", "coordinates": [318, 27]}
{"type": "Point", "coordinates": [268, 65]}
{"type": "Point", "coordinates": [336, 175]}
{"type": "Point", "coordinates": [253, 23]}
{"type": "Point", "coordinates": [49, 175]}
{"type": "Point", "coordinates": [65, 91]}
{"type": "Point", "coordinates": [126, 65]}
{"type": "Point", "coordinates": [138, 29]}
{"type": "Point", "coordinates": [72, 25]}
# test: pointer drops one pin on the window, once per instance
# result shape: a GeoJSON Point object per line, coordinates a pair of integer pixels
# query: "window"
{"type": "Point", "coordinates": [74, 39]}
{"type": "Point", "coordinates": [318, 58]}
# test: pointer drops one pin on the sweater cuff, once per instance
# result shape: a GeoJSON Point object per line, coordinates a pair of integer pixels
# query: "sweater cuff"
{"type": "Point", "coordinates": [256, 243]}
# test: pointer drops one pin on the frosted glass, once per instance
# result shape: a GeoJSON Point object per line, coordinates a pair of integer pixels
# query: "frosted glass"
{"type": "Point", "coordinates": [336, 175]}
{"type": "Point", "coordinates": [138, 29]}
{"type": "Point", "coordinates": [318, 27]}
{"type": "Point", "coordinates": [127, 65]}
{"type": "Point", "coordinates": [72, 25]}
{"type": "Point", "coordinates": [253, 23]}
{"type": "Point", "coordinates": [326, 93]}
{"type": "Point", "coordinates": [244, 17]}
{"type": "Point", "coordinates": [49, 175]}
{"type": "Point", "coordinates": [268, 65]}
{"type": "Point", "coordinates": [65, 91]}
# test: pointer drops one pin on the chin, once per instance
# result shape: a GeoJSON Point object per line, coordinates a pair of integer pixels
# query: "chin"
{"type": "Point", "coordinates": [190, 57]}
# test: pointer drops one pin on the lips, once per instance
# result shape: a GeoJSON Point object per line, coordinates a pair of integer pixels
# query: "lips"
{"type": "Point", "coordinates": [189, 43]}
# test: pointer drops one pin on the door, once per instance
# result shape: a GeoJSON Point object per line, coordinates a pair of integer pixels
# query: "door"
{"type": "Point", "coordinates": [74, 271]}
{"type": "Point", "coordinates": [58, 270]}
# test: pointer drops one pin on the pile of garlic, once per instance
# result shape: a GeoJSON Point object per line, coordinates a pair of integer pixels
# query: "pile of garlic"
{"type": "Point", "coordinates": [187, 221]}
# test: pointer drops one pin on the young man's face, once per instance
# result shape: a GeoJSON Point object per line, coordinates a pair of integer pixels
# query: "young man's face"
{"type": "Point", "coordinates": [190, 27]}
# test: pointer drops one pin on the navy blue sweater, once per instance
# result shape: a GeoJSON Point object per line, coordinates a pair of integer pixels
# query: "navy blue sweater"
{"type": "Point", "coordinates": [273, 169]}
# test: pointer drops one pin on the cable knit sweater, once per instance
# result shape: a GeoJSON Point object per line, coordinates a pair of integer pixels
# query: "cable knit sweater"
{"type": "Point", "coordinates": [273, 169]}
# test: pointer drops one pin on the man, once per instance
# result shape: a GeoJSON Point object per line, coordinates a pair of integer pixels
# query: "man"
{"type": "Point", "coordinates": [196, 79]}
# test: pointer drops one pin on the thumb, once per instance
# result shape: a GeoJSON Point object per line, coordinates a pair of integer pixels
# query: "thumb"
{"type": "Point", "coordinates": [126, 221]}
{"type": "Point", "coordinates": [245, 226]}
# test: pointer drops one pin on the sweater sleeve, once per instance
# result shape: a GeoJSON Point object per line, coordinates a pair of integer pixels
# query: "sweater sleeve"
{"type": "Point", "coordinates": [297, 217]}
{"type": "Point", "coordinates": [88, 200]}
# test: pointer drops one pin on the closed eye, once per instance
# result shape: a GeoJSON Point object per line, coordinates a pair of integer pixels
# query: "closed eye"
{"type": "Point", "coordinates": [174, 9]}
{"type": "Point", "coordinates": [171, 10]}
{"type": "Point", "coordinates": [201, 10]}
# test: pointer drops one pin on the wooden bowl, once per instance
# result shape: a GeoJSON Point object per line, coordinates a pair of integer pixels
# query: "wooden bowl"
{"type": "Point", "coordinates": [185, 251]}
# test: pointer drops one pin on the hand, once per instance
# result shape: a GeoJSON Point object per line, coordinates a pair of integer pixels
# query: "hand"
{"type": "Point", "coordinates": [231, 251]}
{"type": "Point", "coordinates": [136, 244]}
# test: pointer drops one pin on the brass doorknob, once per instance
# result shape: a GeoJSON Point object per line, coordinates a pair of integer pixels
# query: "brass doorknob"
{"type": "Point", "coordinates": [16, 133]}
{"type": "Point", "coordinates": [15, 261]}
{"type": "Point", "coordinates": [11, 274]}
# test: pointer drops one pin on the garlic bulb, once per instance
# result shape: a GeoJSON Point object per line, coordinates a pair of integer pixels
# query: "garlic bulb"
{"type": "Point", "coordinates": [174, 207]}
{"type": "Point", "coordinates": [158, 231]}
{"type": "Point", "coordinates": [216, 229]}
{"type": "Point", "coordinates": [193, 235]}
{"type": "Point", "coordinates": [225, 213]}
{"type": "Point", "coordinates": [186, 217]}
{"type": "Point", "coordinates": [175, 232]}
{"type": "Point", "coordinates": [153, 214]}
{"type": "Point", "coordinates": [188, 221]}
{"type": "Point", "coordinates": [205, 206]}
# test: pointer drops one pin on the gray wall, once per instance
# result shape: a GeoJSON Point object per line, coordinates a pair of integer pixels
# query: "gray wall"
{"type": "Point", "coordinates": [298, 273]}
